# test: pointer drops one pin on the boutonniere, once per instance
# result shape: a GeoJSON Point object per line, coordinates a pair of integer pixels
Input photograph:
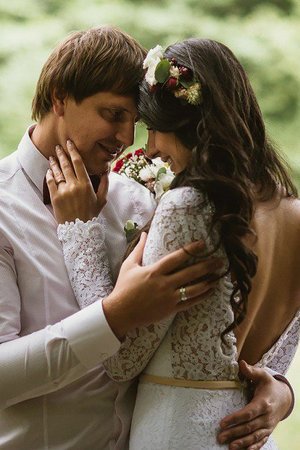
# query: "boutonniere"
{"type": "Point", "coordinates": [130, 229]}
{"type": "Point", "coordinates": [154, 175]}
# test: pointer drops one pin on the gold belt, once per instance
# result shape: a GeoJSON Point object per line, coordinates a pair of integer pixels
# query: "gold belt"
{"type": "Point", "coordinates": [205, 384]}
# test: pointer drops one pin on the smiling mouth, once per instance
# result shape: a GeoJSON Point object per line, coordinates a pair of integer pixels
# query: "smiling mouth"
{"type": "Point", "coordinates": [111, 153]}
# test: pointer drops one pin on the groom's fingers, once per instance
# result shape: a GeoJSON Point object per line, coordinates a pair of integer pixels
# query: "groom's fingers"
{"type": "Point", "coordinates": [241, 417]}
{"type": "Point", "coordinates": [136, 255]}
{"type": "Point", "coordinates": [183, 306]}
{"type": "Point", "coordinates": [195, 272]}
{"type": "Point", "coordinates": [247, 434]}
{"type": "Point", "coordinates": [174, 260]}
{"type": "Point", "coordinates": [198, 289]}
{"type": "Point", "coordinates": [258, 445]}
{"type": "Point", "coordinates": [253, 441]}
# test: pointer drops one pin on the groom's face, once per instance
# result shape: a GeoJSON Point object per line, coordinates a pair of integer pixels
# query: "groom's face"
{"type": "Point", "coordinates": [101, 126]}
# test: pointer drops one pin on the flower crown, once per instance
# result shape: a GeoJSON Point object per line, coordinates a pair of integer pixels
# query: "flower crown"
{"type": "Point", "coordinates": [175, 77]}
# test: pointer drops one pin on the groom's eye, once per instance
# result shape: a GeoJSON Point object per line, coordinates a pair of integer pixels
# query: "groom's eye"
{"type": "Point", "coordinates": [113, 115]}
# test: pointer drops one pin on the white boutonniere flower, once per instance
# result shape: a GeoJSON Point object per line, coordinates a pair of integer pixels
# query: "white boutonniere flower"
{"type": "Point", "coordinates": [130, 229]}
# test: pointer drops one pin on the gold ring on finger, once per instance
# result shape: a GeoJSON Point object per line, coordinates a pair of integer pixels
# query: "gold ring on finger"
{"type": "Point", "coordinates": [183, 296]}
{"type": "Point", "coordinates": [60, 180]}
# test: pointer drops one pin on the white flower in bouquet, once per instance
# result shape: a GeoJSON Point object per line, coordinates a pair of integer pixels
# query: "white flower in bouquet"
{"type": "Point", "coordinates": [128, 172]}
{"type": "Point", "coordinates": [155, 175]}
{"type": "Point", "coordinates": [147, 174]}
{"type": "Point", "coordinates": [156, 165]}
{"type": "Point", "coordinates": [163, 183]}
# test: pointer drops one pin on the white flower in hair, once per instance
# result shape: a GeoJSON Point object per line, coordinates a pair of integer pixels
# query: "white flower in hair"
{"type": "Point", "coordinates": [153, 58]}
{"type": "Point", "coordinates": [172, 76]}
{"type": "Point", "coordinates": [174, 72]}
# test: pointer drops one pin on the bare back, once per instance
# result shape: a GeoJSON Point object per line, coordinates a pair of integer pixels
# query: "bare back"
{"type": "Point", "coordinates": [275, 295]}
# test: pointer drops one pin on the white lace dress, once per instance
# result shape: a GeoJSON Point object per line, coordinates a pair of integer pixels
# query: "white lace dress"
{"type": "Point", "coordinates": [187, 346]}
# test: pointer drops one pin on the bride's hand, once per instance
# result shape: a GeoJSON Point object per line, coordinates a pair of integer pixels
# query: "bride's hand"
{"type": "Point", "coordinates": [71, 191]}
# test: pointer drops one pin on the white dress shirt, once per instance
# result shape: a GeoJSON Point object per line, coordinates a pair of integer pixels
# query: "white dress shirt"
{"type": "Point", "coordinates": [54, 393]}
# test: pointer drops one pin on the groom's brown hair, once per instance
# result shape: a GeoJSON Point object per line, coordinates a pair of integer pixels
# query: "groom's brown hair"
{"type": "Point", "coordinates": [88, 62]}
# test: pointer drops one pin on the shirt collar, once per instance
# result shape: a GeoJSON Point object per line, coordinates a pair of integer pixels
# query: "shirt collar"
{"type": "Point", "coordinates": [32, 161]}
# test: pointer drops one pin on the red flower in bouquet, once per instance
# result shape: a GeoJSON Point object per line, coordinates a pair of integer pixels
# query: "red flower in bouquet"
{"type": "Point", "coordinates": [154, 175]}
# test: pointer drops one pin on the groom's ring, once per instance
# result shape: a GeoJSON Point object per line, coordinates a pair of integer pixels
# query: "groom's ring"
{"type": "Point", "coordinates": [61, 180]}
{"type": "Point", "coordinates": [183, 296]}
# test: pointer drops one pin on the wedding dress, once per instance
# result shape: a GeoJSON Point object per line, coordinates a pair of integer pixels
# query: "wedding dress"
{"type": "Point", "coordinates": [187, 346]}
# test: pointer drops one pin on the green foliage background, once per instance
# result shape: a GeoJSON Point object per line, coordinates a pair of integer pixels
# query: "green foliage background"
{"type": "Point", "coordinates": [264, 34]}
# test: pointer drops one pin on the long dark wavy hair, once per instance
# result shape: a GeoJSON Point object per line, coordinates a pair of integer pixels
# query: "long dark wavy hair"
{"type": "Point", "coordinates": [232, 160]}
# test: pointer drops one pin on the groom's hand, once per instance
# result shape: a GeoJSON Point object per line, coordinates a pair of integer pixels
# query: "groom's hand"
{"type": "Point", "coordinates": [148, 294]}
{"type": "Point", "coordinates": [250, 427]}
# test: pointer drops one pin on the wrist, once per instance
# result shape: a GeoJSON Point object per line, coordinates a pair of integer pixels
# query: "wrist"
{"type": "Point", "coordinates": [115, 316]}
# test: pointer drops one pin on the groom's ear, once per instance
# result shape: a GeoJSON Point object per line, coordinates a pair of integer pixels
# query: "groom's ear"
{"type": "Point", "coordinates": [58, 102]}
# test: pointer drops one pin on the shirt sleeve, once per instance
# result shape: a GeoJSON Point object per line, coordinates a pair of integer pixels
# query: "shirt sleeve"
{"type": "Point", "coordinates": [284, 380]}
{"type": "Point", "coordinates": [51, 358]}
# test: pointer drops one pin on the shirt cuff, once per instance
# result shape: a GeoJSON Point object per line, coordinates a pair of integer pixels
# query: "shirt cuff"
{"type": "Point", "coordinates": [90, 336]}
{"type": "Point", "coordinates": [282, 378]}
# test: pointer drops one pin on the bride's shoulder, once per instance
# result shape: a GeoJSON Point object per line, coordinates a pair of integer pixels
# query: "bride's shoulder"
{"type": "Point", "coordinates": [182, 197]}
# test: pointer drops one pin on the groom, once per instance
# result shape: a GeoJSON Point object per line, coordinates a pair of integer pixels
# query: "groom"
{"type": "Point", "coordinates": [54, 393]}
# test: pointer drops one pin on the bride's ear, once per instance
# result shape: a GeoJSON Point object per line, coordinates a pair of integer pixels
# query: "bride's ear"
{"type": "Point", "coordinates": [58, 102]}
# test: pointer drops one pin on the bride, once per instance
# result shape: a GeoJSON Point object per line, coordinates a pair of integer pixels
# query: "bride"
{"type": "Point", "coordinates": [232, 190]}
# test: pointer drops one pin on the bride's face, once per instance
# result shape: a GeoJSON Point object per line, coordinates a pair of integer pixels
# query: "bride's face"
{"type": "Point", "coordinates": [169, 149]}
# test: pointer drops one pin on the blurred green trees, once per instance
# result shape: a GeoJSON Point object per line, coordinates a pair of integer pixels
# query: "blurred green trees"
{"type": "Point", "coordinates": [265, 35]}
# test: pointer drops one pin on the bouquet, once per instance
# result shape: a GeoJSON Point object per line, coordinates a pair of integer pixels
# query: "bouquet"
{"type": "Point", "coordinates": [153, 174]}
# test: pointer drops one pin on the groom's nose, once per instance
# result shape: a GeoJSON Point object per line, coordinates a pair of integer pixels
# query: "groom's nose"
{"type": "Point", "coordinates": [125, 133]}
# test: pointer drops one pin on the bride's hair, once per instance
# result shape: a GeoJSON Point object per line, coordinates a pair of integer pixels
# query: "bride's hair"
{"type": "Point", "coordinates": [233, 162]}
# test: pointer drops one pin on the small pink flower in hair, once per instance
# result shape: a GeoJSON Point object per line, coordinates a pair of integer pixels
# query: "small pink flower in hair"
{"type": "Point", "coordinates": [186, 73]}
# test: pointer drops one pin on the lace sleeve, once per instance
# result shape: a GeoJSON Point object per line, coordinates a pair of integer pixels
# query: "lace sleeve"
{"type": "Point", "coordinates": [178, 220]}
{"type": "Point", "coordinates": [281, 354]}
{"type": "Point", "coordinates": [86, 259]}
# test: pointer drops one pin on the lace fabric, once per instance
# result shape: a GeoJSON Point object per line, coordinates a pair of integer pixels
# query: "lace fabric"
{"type": "Point", "coordinates": [281, 354]}
{"type": "Point", "coordinates": [183, 418]}
{"type": "Point", "coordinates": [86, 259]}
{"type": "Point", "coordinates": [197, 352]}
{"type": "Point", "coordinates": [186, 346]}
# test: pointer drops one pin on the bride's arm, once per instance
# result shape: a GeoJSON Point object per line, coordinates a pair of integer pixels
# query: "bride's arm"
{"type": "Point", "coordinates": [280, 356]}
{"type": "Point", "coordinates": [86, 259]}
{"type": "Point", "coordinates": [175, 223]}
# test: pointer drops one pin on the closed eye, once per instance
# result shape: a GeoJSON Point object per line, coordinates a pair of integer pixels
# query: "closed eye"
{"type": "Point", "coordinates": [113, 115]}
